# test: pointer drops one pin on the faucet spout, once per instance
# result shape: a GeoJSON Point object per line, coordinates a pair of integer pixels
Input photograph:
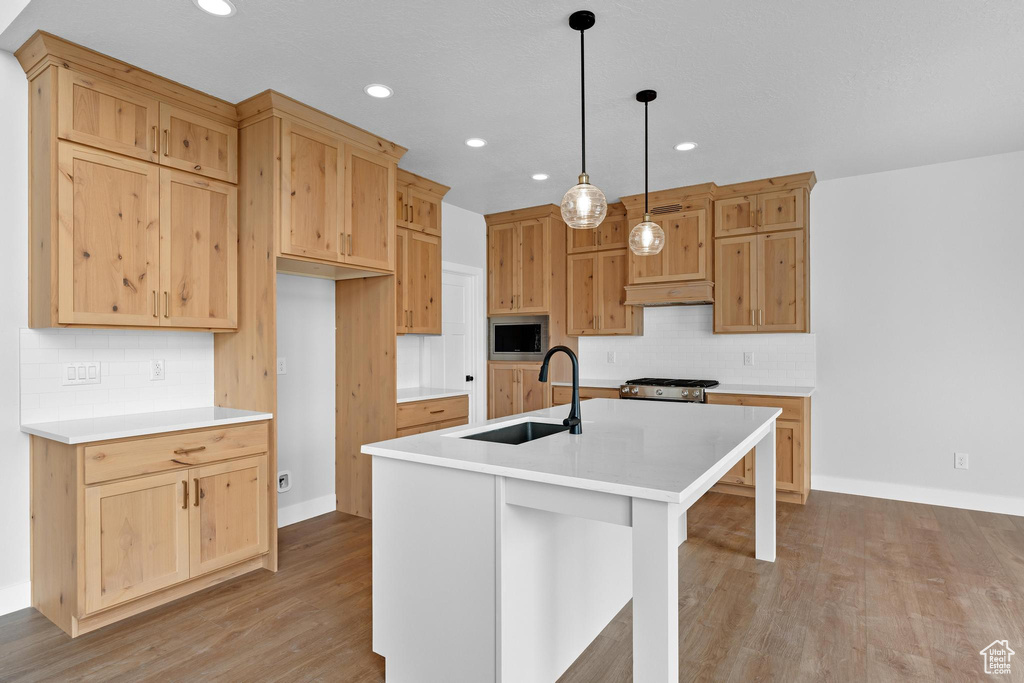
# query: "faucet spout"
{"type": "Point", "coordinates": [574, 421]}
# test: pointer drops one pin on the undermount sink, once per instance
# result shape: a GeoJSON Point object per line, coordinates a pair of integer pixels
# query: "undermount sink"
{"type": "Point", "coordinates": [518, 433]}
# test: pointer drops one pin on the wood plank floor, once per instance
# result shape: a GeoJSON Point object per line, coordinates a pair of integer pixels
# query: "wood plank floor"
{"type": "Point", "coordinates": [863, 590]}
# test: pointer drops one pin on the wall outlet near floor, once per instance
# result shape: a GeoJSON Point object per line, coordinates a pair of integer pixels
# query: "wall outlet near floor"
{"type": "Point", "coordinates": [960, 461]}
{"type": "Point", "coordinates": [282, 366]}
{"type": "Point", "coordinates": [284, 481]}
{"type": "Point", "coordinates": [748, 358]}
{"type": "Point", "coordinates": [611, 358]}
{"type": "Point", "coordinates": [156, 370]}
{"type": "Point", "coordinates": [84, 372]}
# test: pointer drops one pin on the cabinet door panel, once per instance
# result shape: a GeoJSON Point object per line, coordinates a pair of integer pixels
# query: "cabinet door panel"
{"type": "Point", "coordinates": [613, 233]}
{"type": "Point", "coordinates": [424, 286]}
{"type": "Point", "coordinates": [199, 251]}
{"type": "Point", "coordinates": [502, 267]}
{"type": "Point", "coordinates": [781, 268]}
{"type": "Point", "coordinates": [736, 284]}
{"type": "Point", "coordinates": [136, 538]}
{"type": "Point", "coordinates": [736, 216]}
{"type": "Point", "coordinates": [424, 212]}
{"type": "Point", "coordinates": [370, 222]}
{"type": "Point", "coordinates": [401, 204]}
{"type": "Point", "coordinates": [109, 239]}
{"type": "Point", "coordinates": [582, 293]}
{"type": "Point", "coordinates": [102, 114]}
{"type": "Point", "coordinates": [198, 144]}
{"type": "Point", "coordinates": [580, 240]}
{"type": "Point", "coordinates": [228, 513]}
{"type": "Point", "coordinates": [401, 275]}
{"type": "Point", "coordinates": [534, 393]}
{"type": "Point", "coordinates": [789, 456]}
{"type": "Point", "coordinates": [683, 256]}
{"type": "Point", "coordinates": [781, 210]}
{"type": "Point", "coordinates": [502, 390]}
{"type": "Point", "coordinates": [613, 270]}
{"type": "Point", "coordinates": [312, 193]}
{"type": "Point", "coordinates": [534, 267]}
{"type": "Point", "coordinates": [742, 472]}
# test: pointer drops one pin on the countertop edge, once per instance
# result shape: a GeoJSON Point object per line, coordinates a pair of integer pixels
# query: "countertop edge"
{"type": "Point", "coordinates": [440, 393]}
{"type": "Point", "coordinates": [143, 431]}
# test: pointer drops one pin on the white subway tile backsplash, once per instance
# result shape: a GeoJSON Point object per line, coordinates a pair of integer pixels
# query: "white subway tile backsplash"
{"type": "Point", "coordinates": [678, 342]}
{"type": "Point", "coordinates": [125, 386]}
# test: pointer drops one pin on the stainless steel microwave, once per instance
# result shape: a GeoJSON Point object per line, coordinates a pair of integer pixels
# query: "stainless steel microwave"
{"type": "Point", "coordinates": [520, 338]}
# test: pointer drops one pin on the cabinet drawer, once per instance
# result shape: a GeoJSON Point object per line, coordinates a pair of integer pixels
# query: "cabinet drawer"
{"type": "Point", "coordinates": [432, 426]}
{"type": "Point", "coordinates": [792, 408]}
{"type": "Point", "coordinates": [436, 410]}
{"type": "Point", "coordinates": [122, 459]}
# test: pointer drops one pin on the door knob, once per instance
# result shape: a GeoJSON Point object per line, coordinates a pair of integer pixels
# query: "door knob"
{"type": "Point", "coordinates": [469, 378]}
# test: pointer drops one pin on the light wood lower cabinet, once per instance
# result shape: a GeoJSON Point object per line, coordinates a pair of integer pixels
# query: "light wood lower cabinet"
{"type": "Point", "coordinates": [417, 417]}
{"type": "Point", "coordinates": [562, 395]}
{"type": "Point", "coordinates": [792, 448]}
{"type": "Point", "coordinates": [514, 388]}
{"type": "Point", "coordinates": [104, 551]}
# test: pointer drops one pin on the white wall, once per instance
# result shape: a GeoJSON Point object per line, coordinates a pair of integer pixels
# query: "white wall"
{"type": "Point", "coordinates": [14, 570]}
{"type": "Point", "coordinates": [917, 300]}
{"type": "Point", "coordinates": [305, 396]}
{"type": "Point", "coordinates": [678, 342]}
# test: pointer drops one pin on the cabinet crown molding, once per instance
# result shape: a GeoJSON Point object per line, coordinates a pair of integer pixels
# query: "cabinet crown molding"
{"type": "Point", "coordinates": [776, 184]}
{"type": "Point", "coordinates": [533, 212]}
{"type": "Point", "coordinates": [273, 103]}
{"type": "Point", "coordinates": [425, 184]}
{"type": "Point", "coordinates": [44, 50]}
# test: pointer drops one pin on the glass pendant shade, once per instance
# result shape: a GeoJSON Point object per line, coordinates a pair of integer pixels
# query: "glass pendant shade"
{"type": "Point", "coordinates": [584, 206]}
{"type": "Point", "coordinates": [646, 238]}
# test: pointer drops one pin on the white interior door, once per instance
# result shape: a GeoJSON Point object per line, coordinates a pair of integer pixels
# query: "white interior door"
{"type": "Point", "coordinates": [458, 355]}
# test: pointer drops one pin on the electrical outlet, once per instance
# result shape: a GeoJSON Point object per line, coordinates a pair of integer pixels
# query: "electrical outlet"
{"type": "Point", "coordinates": [156, 370]}
{"type": "Point", "coordinates": [83, 372]}
{"type": "Point", "coordinates": [960, 461]}
{"type": "Point", "coordinates": [748, 358]}
{"type": "Point", "coordinates": [282, 366]}
{"type": "Point", "coordinates": [611, 357]}
{"type": "Point", "coordinates": [284, 481]}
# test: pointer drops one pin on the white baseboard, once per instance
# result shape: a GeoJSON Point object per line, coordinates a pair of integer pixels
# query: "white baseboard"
{"type": "Point", "coordinates": [16, 597]}
{"type": "Point", "coordinates": [305, 510]}
{"type": "Point", "coordinates": [967, 500]}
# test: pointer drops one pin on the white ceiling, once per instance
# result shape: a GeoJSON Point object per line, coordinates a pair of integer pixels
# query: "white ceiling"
{"type": "Point", "coordinates": [840, 87]}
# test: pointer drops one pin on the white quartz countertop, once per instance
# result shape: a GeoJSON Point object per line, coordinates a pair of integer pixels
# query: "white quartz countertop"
{"type": "Point", "coordinates": [662, 451]}
{"type": "Point", "coordinates": [754, 389]}
{"type": "Point", "coordinates": [426, 393]}
{"type": "Point", "coordinates": [140, 424]}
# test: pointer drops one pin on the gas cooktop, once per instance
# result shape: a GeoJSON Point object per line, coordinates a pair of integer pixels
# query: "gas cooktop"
{"type": "Point", "coordinates": [657, 388]}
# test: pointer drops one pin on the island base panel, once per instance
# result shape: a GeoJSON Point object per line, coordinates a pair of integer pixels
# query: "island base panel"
{"type": "Point", "coordinates": [764, 497]}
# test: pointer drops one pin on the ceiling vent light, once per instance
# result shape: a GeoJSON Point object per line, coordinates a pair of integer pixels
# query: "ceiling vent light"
{"type": "Point", "coordinates": [540, 176]}
{"type": "Point", "coordinates": [476, 142]}
{"type": "Point", "coordinates": [218, 8]}
{"type": "Point", "coordinates": [686, 146]}
{"type": "Point", "coordinates": [379, 91]}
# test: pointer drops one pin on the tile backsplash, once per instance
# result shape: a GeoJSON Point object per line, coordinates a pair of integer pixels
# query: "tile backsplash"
{"type": "Point", "coordinates": [678, 343]}
{"type": "Point", "coordinates": [124, 386]}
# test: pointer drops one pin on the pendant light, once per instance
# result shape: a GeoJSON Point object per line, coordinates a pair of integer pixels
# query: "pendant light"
{"type": "Point", "coordinates": [646, 238]}
{"type": "Point", "coordinates": [584, 206]}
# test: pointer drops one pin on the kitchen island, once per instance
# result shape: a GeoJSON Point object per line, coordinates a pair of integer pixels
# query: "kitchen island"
{"type": "Point", "coordinates": [501, 562]}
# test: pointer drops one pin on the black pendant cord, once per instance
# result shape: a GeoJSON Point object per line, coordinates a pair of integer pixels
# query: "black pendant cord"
{"type": "Point", "coordinates": [583, 106]}
{"type": "Point", "coordinates": [646, 212]}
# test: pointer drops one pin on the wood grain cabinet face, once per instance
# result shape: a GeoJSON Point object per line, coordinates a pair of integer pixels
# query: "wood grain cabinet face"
{"type": "Point", "coordinates": [424, 212]}
{"type": "Point", "coordinates": [199, 254]}
{"type": "Point", "coordinates": [534, 393]}
{"type": "Point", "coordinates": [783, 210]}
{"type": "Point", "coordinates": [736, 284]}
{"type": "Point", "coordinates": [514, 388]}
{"type": "Point", "coordinates": [402, 204]}
{"type": "Point", "coordinates": [102, 114]}
{"type": "Point", "coordinates": [736, 216]}
{"type": "Point", "coordinates": [401, 278]}
{"type": "Point", "coordinates": [198, 144]}
{"type": "Point", "coordinates": [136, 538]}
{"type": "Point", "coordinates": [108, 240]}
{"type": "Point", "coordinates": [596, 293]}
{"type": "Point", "coordinates": [312, 193]}
{"type": "Point", "coordinates": [370, 222]}
{"type": "Point", "coordinates": [581, 297]}
{"type": "Point", "coordinates": [782, 288]}
{"type": "Point", "coordinates": [423, 290]}
{"type": "Point", "coordinates": [534, 267]}
{"type": "Point", "coordinates": [502, 268]}
{"type": "Point", "coordinates": [228, 513]}
{"type": "Point", "coordinates": [684, 256]}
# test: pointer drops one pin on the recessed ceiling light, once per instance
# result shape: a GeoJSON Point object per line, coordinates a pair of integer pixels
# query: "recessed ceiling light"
{"type": "Point", "coordinates": [540, 176]}
{"type": "Point", "coordinates": [378, 90]}
{"type": "Point", "coordinates": [218, 8]}
{"type": "Point", "coordinates": [476, 142]}
{"type": "Point", "coordinates": [686, 146]}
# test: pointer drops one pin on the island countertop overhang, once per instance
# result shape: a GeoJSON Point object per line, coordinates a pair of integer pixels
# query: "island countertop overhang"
{"type": "Point", "coordinates": [661, 451]}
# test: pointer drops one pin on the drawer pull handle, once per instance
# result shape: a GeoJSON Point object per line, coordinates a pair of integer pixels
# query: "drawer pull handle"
{"type": "Point", "coordinates": [435, 412]}
{"type": "Point", "coordinates": [184, 488]}
{"type": "Point", "coordinates": [186, 451]}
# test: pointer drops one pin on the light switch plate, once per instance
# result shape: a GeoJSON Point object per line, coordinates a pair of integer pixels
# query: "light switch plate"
{"type": "Point", "coordinates": [82, 372]}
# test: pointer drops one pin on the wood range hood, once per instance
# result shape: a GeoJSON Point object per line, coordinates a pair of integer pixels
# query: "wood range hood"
{"type": "Point", "coordinates": [671, 294]}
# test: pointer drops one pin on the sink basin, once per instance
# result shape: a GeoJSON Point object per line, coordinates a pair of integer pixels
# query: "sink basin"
{"type": "Point", "coordinates": [518, 433]}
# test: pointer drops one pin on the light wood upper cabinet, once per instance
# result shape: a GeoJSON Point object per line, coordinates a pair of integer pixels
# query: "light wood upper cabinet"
{"type": "Point", "coordinates": [401, 279]}
{"type": "Point", "coordinates": [736, 281]}
{"type": "Point", "coordinates": [136, 538]}
{"type": "Point", "coordinates": [104, 114]}
{"type": "Point", "coordinates": [760, 283]}
{"type": "Point", "coordinates": [108, 245]}
{"type": "Point", "coordinates": [401, 201]}
{"type": "Point", "coordinates": [418, 283]}
{"type": "Point", "coordinates": [596, 294]}
{"type": "Point", "coordinates": [370, 219]}
{"type": "Point", "coordinates": [418, 202]}
{"type": "Point", "coordinates": [198, 144]}
{"type": "Point", "coordinates": [514, 388]}
{"type": "Point", "coordinates": [199, 255]}
{"type": "Point", "coordinates": [519, 267]}
{"type": "Point", "coordinates": [502, 268]}
{"type": "Point", "coordinates": [228, 514]}
{"type": "Point", "coordinates": [685, 255]}
{"type": "Point", "coordinates": [581, 297]}
{"type": "Point", "coordinates": [785, 210]}
{"type": "Point", "coordinates": [736, 216]}
{"type": "Point", "coordinates": [613, 233]}
{"type": "Point", "coordinates": [312, 193]}
{"type": "Point", "coordinates": [424, 211]}
{"type": "Point", "coordinates": [534, 267]}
